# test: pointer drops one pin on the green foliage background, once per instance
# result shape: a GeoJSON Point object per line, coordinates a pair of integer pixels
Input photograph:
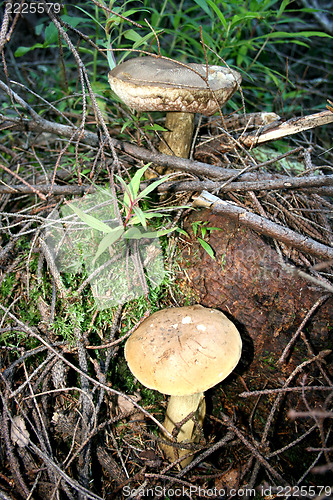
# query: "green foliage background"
{"type": "Point", "coordinates": [270, 42]}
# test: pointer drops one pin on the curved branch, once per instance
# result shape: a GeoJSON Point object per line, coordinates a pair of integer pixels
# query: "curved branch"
{"type": "Point", "coordinates": [264, 226]}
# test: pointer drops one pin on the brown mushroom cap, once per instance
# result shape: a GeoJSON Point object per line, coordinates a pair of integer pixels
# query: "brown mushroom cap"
{"type": "Point", "coordinates": [183, 350]}
{"type": "Point", "coordinates": [156, 84]}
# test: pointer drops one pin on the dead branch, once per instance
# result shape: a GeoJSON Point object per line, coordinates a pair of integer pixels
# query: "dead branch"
{"type": "Point", "coordinates": [290, 127]}
{"type": "Point", "coordinates": [47, 189]}
{"type": "Point", "coordinates": [283, 182]}
{"type": "Point", "coordinates": [264, 226]}
{"type": "Point", "coordinates": [267, 392]}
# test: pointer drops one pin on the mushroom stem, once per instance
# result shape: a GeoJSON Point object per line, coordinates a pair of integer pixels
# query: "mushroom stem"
{"type": "Point", "coordinates": [178, 139]}
{"type": "Point", "coordinates": [180, 407]}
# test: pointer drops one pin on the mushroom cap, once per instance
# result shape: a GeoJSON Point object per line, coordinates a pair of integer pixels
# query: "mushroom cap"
{"type": "Point", "coordinates": [183, 350]}
{"type": "Point", "coordinates": [156, 84]}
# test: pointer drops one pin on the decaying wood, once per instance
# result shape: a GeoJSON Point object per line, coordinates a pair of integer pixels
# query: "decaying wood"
{"type": "Point", "coordinates": [267, 133]}
{"type": "Point", "coordinates": [283, 182]}
{"type": "Point", "coordinates": [290, 127]}
{"type": "Point", "coordinates": [114, 472]}
{"type": "Point", "coordinates": [263, 225]}
{"type": "Point", "coordinates": [46, 189]}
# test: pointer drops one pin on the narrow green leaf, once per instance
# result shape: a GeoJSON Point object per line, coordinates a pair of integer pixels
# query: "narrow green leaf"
{"type": "Point", "coordinates": [182, 231]}
{"type": "Point", "coordinates": [218, 13]}
{"type": "Point", "coordinates": [134, 184]}
{"type": "Point", "coordinates": [159, 232]}
{"type": "Point", "coordinates": [90, 220]}
{"type": "Point", "coordinates": [152, 186]}
{"type": "Point", "coordinates": [133, 233]}
{"type": "Point", "coordinates": [299, 34]}
{"type": "Point", "coordinates": [156, 127]}
{"type": "Point", "coordinates": [206, 246]}
{"type": "Point", "coordinates": [204, 6]}
{"type": "Point", "coordinates": [135, 220]}
{"type": "Point", "coordinates": [141, 216]}
{"type": "Point", "coordinates": [128, 196]}
{"type": "Point", "coordinates": [21, 51]}
{"type": "Point", "coordinates": [109, 240]}
{"type": "Point", "coordinates": [282, 8]}
{"type": "Point", "coordinates": [195, 226]}
{"type": "Point", "coordinates": [133, 36]}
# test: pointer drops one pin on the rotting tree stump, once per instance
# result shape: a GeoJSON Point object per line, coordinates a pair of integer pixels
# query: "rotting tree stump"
{"type": "Point", "coordinates": [249, 282]}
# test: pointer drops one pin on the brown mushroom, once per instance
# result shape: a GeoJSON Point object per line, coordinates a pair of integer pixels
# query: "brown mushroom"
{"type": "Point", "coordinates": [183, 352]}
{"type": "Point", "coordinates": [157, 84]}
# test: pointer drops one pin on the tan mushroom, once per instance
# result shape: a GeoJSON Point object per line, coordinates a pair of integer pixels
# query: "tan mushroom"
{"type": "Point", "coordinates": [157, 84]}
{"type": "Point", "coordinates": [183, 352]}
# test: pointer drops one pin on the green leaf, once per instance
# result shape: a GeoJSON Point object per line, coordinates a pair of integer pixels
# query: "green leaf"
{"type": "Point", "coordinates": [109, 240]}
{"type": "Point", "coordinates": [21, 51]}
{"type": "Point", "coordinates": [156, 127]}
{"type": "Point", "coordinates": [110, 55]}
{"type": "Point", "coordinates": [134, 184]}
{"type": "Point", "coordinates": [128, 196]}
{"type": "Point", "coordinates": [141, 216]}
{"type": "Point", "coordinates": [126, 123]}
{"type": "Point", "coordinates": [206, 246]}
{"type": "Point", "coordinates": [135, 220]}
{"type": "Point", "coordinates": [204, 6]}
{"type": "Point", "coordinates": [182, 231]}
{"type": "Point", "coordinates": [133, 36]}
{"type": "Point", "coordinates": [152, 186]}
{"type": "Point", "coordinates": [282, 8]}
{"type": "Point", "coordinates": [218, 13]}
{"type": "Point", "coordinates": [90, 220]}
{"type": "Point", "coordinates": [299, 34]}
{"type": "Point", "coordinates": [51, 35]}
{"type": "Point", "coordinates": [133, 233]}
{"type": "Point", "coordinates": [195, 226]}
{"type": "Point", "coordinates": [159, 232]}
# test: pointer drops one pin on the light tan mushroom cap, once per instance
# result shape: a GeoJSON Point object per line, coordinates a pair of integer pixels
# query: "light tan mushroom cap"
{"type": "Point", "coordinates": [183, 350]}
{"type": "Point", "coordinates": [155, 84]}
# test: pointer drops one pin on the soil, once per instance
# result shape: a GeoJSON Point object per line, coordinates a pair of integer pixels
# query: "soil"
{"type": "Point", "coordinates": [251, 283]}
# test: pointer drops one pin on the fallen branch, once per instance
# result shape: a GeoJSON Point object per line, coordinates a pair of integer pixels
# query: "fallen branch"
{"type": "Point", "coordinates": [263, 225]}
{"type": "Point", "coordinates": [47, 189]}
{"type": "Point", "coordinates": [290, 127]}
{"type": "Point", "coordinates": [284, 182]}
{"type": "Point", "coordinates": [92, 139]}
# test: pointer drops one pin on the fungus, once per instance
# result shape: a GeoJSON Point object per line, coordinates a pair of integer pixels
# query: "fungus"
{"type": "Point", "coordinates": [157, 84]}
{"type": "Point", "coordinates": [182, 352]}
